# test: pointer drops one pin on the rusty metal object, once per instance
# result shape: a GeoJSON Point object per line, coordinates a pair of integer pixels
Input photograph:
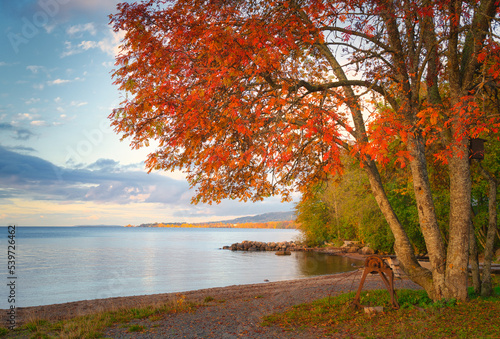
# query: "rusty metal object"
{"type": "Point", "coordinates": [375, 264]}
{"type": "Point", "coordinates": [476, 148]}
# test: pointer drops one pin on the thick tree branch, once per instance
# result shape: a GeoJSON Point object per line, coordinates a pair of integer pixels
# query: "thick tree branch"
{"type": "Point", "coordinates": [473, 43]}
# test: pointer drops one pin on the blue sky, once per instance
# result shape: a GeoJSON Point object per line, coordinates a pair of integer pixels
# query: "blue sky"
{"type": "Point", "coordinates": [60, 161]}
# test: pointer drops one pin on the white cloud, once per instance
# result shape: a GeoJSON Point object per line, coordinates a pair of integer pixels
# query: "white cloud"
{"type": "Point", "coordinates": [58, 82]}
{"type": "Point", "coordinates": [35, 69]}
{"type": "Point", "coordinates": [110, 45]}
{"type": "Point", "coordinates": [50, 28]}
{"type": "Point", "coordinates": [32, 101]}
{"type": "Point", "coordinates": [78, 103]}
{"type": "Point", "coordinates": [70, 50]}
{"type": "Point", "coordinates": [38, 86]}
{"type": "Point", "coordinates": [64, 117]}
{"type": "Point", "coordinates": [78, 29]}
{"type": "Point", "coordinates": [86, 45]}
{"type": "Point", "coordinates": [24, 116]}
{"type": "Point", "coordinates": [3, 63]}
{"type": "Point", "coordinates": [38, 123]}
{"type": "Point", "coordinates": [58, 99]}
{"type": "Point", "coordinates": [61, 81]}
{"type": "Point", "coordinates": [80, 48]}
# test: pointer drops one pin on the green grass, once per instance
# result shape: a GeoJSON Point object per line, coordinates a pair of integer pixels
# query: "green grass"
{"type": "Point", "coordinates": [418, 317]}
{"type": "Point", "coordinates": [93, 325]}
{"type": "Point", "coordinates": [136, 328]}
{"type": "Point", "coordinates": [208, 299]}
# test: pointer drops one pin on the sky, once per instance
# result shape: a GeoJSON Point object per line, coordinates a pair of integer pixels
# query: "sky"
{"type": "Point", "coordinates": [61, 164]}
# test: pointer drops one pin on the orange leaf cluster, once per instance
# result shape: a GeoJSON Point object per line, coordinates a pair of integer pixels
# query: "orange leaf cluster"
{"type": "Point", "coordinates": [215, 85]}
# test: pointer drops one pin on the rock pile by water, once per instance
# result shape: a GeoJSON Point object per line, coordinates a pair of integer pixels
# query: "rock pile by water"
{"type": "Point", "coordinates": [283, 246]}
{"type": "Point", "coordinates": [356, 247]}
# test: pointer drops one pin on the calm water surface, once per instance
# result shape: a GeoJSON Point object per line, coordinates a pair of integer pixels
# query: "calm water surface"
{"type": "Point", "coordinates": [62, 264]}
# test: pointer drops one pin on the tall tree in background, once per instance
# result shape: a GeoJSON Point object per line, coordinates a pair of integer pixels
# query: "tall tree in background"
{"type": "Point", "coordinates": [254, 98]}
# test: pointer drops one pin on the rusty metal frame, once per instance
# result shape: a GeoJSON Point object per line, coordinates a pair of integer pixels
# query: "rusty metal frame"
{"type": "Point", "coordinates": [375, 264]}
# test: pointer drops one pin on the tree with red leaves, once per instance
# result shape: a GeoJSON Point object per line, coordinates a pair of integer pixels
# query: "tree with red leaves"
{"type": "Point", "coordinates": [258, 98]}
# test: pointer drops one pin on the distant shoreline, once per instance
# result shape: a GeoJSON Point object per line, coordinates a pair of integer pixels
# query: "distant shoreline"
{"type": "Point", "coordinates": [254, 220]}
{"type": "Point", "coordinates": [127, 226]}
{"type": "Point", "coordinates": [289, 224]}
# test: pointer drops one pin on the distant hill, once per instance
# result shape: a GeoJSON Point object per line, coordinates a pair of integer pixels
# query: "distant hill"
{"type": "Point", "coordinates": [260, 218]}
{"type": "Point", "coordinates": [266, 217]}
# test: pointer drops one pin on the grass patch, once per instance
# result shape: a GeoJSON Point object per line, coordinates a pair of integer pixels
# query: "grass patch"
{"type": "Point", "coordinates": [93, 325]}
{"type": "Point", "coordinates": [156, 317]}
{"type": "Point", "coordinates": [208, 299]}
{"type": "Point", "coordinates": [418, 317]}
{"type": "Point", "coordinates": [136, 328]}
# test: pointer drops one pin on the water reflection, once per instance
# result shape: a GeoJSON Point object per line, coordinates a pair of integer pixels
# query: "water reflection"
{"type": "Point", "coordinates": [313, 263]}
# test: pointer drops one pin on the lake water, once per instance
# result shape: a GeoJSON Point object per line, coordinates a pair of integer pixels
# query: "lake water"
{"type": "Point", "coordinates": [62, 264]}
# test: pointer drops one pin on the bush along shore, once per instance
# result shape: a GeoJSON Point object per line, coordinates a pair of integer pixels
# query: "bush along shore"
{"type": "Point", "coordinates": [283, 247]}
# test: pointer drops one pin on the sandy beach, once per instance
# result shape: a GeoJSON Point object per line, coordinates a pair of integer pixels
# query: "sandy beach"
{"type": "Point", "coordinates": [235, 312]}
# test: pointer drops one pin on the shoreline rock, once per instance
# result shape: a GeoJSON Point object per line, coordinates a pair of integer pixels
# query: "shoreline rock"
{"type": "Point", "coordinates": [283, 253]}
{"type": "Point", "coordinates": [282, 246]}
{"type": "Point", "coordinates": [349, 248]}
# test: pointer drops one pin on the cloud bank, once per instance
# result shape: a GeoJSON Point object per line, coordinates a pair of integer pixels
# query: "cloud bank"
{"type": "Point", "coordinates": [104, 181]}
{"type": "Point", "coordinates": [107, 182]}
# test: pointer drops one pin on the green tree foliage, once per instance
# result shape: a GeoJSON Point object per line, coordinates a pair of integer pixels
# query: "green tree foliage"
{"type": "Point", "coordinates": [314, 219]}
{"type": "Point", "coordinates": [480, 201]}
{"type": "Point", "coordinates": [484, 230]}
{"type": "Point", "coordinates": [342, 208]}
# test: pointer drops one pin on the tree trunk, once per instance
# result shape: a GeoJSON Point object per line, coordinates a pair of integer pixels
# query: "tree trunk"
{"type": "Point", "coordinates": [486, 288]}
{"type": "Point", "coordinates": [427, 215]}
{"type": "Point", "coordinates": [402, 245]}
{"type": "Point", "coordinates": [474, 261]}
{"type": "Point", "coordinates": [460, 220]}
{"type": "Point", "coordinates": [439, 282]}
